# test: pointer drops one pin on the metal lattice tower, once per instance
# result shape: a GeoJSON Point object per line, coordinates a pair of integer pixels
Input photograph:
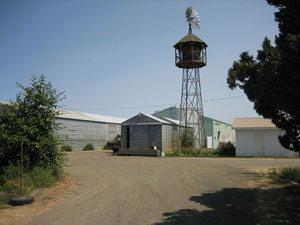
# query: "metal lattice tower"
{"type": "Point", "coordinates": [190, 54]}
{"type": "Point", "coordinates": [191, 108]}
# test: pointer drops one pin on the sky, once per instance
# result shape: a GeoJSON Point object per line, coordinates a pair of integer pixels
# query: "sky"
{"type": "Point", "coordinates": [116, 57]}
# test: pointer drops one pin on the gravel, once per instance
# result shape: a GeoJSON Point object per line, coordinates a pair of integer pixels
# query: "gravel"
{"type": "Point", "coordinates": [159, 190]}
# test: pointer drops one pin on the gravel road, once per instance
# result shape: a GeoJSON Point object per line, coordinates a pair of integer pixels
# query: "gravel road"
{"type": "Point", "coordinates": [148, 190]}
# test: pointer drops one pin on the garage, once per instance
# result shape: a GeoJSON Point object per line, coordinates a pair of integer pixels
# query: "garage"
{"type": "Point", "coordinates": [258, 137]}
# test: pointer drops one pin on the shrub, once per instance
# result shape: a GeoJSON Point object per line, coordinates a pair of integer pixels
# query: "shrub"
{"type": "Point", "coordinates": [189, 151]}
{"type": "Point", "coordinates": [173, 153]}
{"type": "Point", "coordinates": [116, 139]}
{"type": "Point", "coordinates": [38, 177]}
{"type": "Point", "coordinates": [194, 152]}
{"type": "Point", "coordinates": [187, 139]}
{"type": "Point", "coordinates": [10, 172]}
{"type": "Point", "coordinates": [209, 152]}
{"type": "Point", "coordinates": [105, 147]}
{"type": "Point", "coordinates": [226, 149]}
{"type": "Point", "coordinates": [88, 147]}
{"type": "Point", "coordinates": [66, 148]}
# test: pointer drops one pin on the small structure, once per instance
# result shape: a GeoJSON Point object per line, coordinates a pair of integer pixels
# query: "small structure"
{"type": "Point", "coordinates": [258, 137]}
{"type": "Point", "coordinates": [148, 135]}
{"type": "Point", "coordinates": [190, 52]}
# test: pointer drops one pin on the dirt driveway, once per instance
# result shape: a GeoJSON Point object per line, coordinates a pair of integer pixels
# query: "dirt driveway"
{"type": "Point", "coordinates": [145, 190]}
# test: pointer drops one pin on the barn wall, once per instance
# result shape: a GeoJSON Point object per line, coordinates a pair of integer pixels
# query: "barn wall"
{"type": "Point", "coordinates": [78, 133]}
{"type": "Point", "coordinates": [260, 143]}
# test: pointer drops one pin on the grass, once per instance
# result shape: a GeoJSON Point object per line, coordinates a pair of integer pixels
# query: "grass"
{"type": "Point", "coordinates": [192, 153]}
{"type": "Point", "coordinates": [5, 197]}
{"type": "Point", "coordinates": [225, 150]}
{"type": "Point", "coordinates": [285, 175]}
{"type": "Point", "coordinates": [38, 177]}
{"type": "Point", "coordinates": [292, 174]}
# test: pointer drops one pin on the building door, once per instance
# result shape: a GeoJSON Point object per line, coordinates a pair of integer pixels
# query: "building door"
{"type": "Point", "coordinates": [154, 136]}
{"type": "Point", "coordinates": [139, 136]}
{"type": "Point", "coordinates": [209, 142]}
{"type": "Point", "coordinates": [127, 136]}
{"type": "Point", "coordinates": [259, 148]}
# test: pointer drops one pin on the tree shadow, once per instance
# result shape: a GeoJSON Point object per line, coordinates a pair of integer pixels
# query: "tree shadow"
{"type": "Point", "coordinates": [232, 206]}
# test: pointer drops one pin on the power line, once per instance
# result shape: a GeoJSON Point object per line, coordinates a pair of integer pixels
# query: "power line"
{"type": "Point", "coordinates": [218, 99]}
{"type": "Point", "coordinates": [152, 106]}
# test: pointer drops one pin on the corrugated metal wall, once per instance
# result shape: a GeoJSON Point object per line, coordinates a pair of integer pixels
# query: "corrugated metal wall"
{"type": "Point", "coordinates": [155, 136]}
{"type": "Point", "coordinates": [141, 136]}
{"type": "Point", "coordinates": [167, 137]}
{"type": "Point", "coordinates": [78, 133]}
{"type": "Point", "coordinates": [124, 136]}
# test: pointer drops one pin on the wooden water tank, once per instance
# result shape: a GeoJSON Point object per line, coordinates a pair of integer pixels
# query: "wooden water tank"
{"type": "Point", "coordinates": [190, 52]}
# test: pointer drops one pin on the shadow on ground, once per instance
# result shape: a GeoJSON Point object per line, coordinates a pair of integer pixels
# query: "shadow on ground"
{"type": "Point", "coordinates": [235, 206]}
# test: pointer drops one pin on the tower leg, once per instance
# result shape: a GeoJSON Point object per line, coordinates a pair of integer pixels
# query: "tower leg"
{"type": "Point", "coordinates": [191, 107]}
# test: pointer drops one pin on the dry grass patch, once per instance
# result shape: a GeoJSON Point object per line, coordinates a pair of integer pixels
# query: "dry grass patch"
{"type": "Point", "coordinates": [45, 200]}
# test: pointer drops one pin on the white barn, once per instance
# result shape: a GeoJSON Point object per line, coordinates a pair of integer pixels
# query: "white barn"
{"type": "Point", "coordinates": [258, 137]}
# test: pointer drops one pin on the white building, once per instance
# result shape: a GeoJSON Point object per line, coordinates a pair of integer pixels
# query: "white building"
{"type": "Point", "coordinates": [258, 137]}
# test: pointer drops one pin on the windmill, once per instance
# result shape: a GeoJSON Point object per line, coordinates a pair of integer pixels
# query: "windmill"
{"type": "Point", "coordinates": [190, 55]}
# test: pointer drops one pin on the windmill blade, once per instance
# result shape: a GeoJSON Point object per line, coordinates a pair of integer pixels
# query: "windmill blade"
{"type": "Point", "coordinates": [188, 14]}
{"type": "Point", "coordinates": [195, 13]}
{"type": "Point", "coordinates": [197, 23]}
{"type": "Point", "coordinates": [192, 16]}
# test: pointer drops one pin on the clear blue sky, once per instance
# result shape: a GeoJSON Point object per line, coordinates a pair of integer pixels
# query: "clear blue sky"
{"type": "Point", "coordinates": [116, 54]}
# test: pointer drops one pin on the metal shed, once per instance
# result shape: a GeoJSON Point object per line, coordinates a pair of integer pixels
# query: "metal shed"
{"type": "Point", "coordinates": [79, 129]}
{"type": "Point", "coordinates": [143, 132]}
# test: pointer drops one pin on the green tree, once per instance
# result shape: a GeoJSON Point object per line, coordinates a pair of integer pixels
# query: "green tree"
{"type": "Point", "coordinates": [31, 119]}
{"type": "Point", "coordinates": [272, 80]}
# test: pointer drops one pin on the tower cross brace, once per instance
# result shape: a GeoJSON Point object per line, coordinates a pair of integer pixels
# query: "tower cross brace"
{"type": "Point", "coordinates": [191, 107]}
